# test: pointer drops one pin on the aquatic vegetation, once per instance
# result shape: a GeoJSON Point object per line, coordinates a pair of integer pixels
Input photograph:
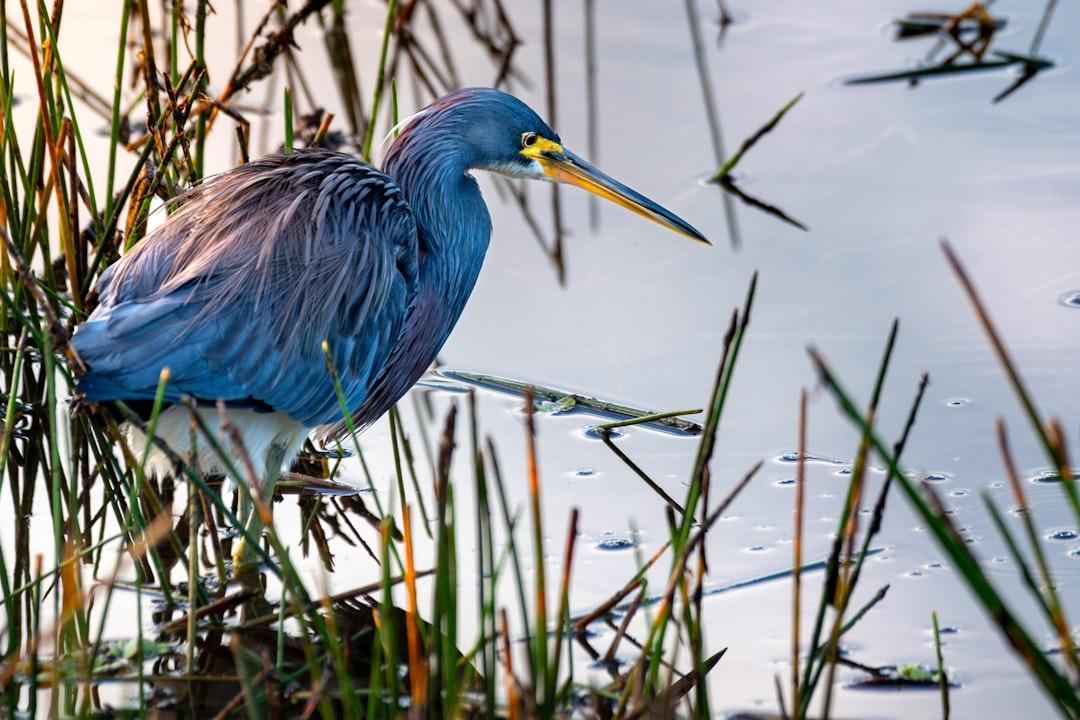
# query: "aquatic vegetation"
{"type": "Point", "coordinates": [968, 34]}
{"type": "Point", "coordinates": [117, 588]}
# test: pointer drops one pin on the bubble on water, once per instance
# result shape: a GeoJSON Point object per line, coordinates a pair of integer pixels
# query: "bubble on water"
{"type": "Point", "coordinates": [785, 481]}
{"type": "Point", "coordinates": [937, 477]}
{"type": "Point", "coordinates": [959, 492]}
{"type": "Point", "coordinates": [789, 457]}
{"type": "Point", "coordinates": [999, 560]}
{"type": "Point", "coordinates": [593, 432]}
{"type": "Point", "coordinates": [585, 472]}
{"type": "Point", "coordinates": [935, 565]}
{"type": "Point", "coordinates": [756, 548]}
{"type": "Point", "coordinates": [1070, 299]}
{"type": "Point", "coordinates": [957, 402]}
{"type": "Point", "coordinates": [615, 543]}
{"type": "Point", "coordinates": [948, 630]}
{"type": "Point", "coordinates": [844, 471]}
{"type": "Point", "coordinates": [1062, 535]}
{"type": "Point", "coordinates": [1075, 553]}
{"type": "Point", "coordinates": [997, 484]}
{"type": "Point", "coordinates": [914, 573]}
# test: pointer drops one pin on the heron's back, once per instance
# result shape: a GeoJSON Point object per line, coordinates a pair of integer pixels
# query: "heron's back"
{"type": "Point", "coordinates": [236, 292]}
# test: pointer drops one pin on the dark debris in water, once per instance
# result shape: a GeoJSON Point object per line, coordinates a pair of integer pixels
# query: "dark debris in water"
{"type": "Point", "coordinates": [923, 24]}
{"type": "Point", "coordinates": [615, 543]}
{"type": "Point", "coordinates": [906, 676]}
{"type": "Point", "coordinates": [1045, 476]}
{"type": "Point", "coordinates": [792, 456]}
{"type": "Point", "coordinates": [964, 39]}
{"type": "Point", "coordinates": [554, 400]}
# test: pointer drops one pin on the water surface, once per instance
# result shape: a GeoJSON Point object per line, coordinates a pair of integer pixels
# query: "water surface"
{"type": "Point", "coordinates": [879, 174]}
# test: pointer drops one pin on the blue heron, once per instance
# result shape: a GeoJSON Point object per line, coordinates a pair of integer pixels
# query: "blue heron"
{"type": "Point", "coordinates": [239, 288]}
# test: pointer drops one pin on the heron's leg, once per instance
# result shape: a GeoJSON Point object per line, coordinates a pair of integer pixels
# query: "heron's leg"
{"type": "Point", "coordinates": [245, 555]}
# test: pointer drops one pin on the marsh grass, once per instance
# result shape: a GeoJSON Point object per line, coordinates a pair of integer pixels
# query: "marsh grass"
{"type": "Point", "coordinates": [206, 643]}
{"type": "Point", "coordinates": [1058, 681]}
{"type": "Point", "coordinates": [220, 645]}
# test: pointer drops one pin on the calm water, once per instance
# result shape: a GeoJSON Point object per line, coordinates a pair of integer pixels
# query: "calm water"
{"type": "Point", "coordinates": [879, 174]}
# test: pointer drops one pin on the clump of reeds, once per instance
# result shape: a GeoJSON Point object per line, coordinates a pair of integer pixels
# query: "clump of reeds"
{"type": "Point", "coordinates": [220, 647]}
{"type": "Point", "coordinates": [1058, 678]}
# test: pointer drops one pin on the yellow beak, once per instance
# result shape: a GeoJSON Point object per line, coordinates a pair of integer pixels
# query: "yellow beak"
{"type": "Point", "coordinates": [561, 165]}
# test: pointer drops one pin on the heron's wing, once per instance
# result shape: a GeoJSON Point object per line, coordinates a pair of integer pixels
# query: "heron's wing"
{"type": "Point", "coordinates": [237, 291]}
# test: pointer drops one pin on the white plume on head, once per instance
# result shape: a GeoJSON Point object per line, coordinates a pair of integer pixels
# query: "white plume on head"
{"type": "Point", "coordinates": [402, 123]}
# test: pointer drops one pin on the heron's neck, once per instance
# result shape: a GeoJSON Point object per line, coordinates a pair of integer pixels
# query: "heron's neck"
{"type": "Point", "coordinates": [451, 217]}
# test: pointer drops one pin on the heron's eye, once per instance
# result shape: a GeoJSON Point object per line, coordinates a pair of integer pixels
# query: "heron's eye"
{"type": "Point", "coordinates": [528, 139]}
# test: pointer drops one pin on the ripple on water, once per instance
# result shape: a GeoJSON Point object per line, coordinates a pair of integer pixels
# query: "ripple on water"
{"type": "Point", "coordinates": [594, 433]}
{"type": "Point", "coordinates": [1070, 299]}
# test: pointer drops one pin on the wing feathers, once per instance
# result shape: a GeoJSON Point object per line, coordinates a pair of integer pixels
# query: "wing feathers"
{"type": "Point", "coordinates": [236, 292]}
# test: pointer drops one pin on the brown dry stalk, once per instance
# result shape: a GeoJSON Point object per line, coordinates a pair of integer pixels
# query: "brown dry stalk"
{"type": "Point", "coordinates": [417, 665]}
{"type": "Point", "coordinates": [796, 580]}
{"type": "Point", "coordinates": [66, 241]}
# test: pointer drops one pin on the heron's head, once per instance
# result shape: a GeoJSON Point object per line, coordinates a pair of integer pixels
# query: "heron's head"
{"type": "Point", "coordinates": [497, 132]}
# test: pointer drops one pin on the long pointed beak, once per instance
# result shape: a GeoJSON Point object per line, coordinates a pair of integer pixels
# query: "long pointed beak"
{"type": "Point", "coordinates": [561, 165]}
